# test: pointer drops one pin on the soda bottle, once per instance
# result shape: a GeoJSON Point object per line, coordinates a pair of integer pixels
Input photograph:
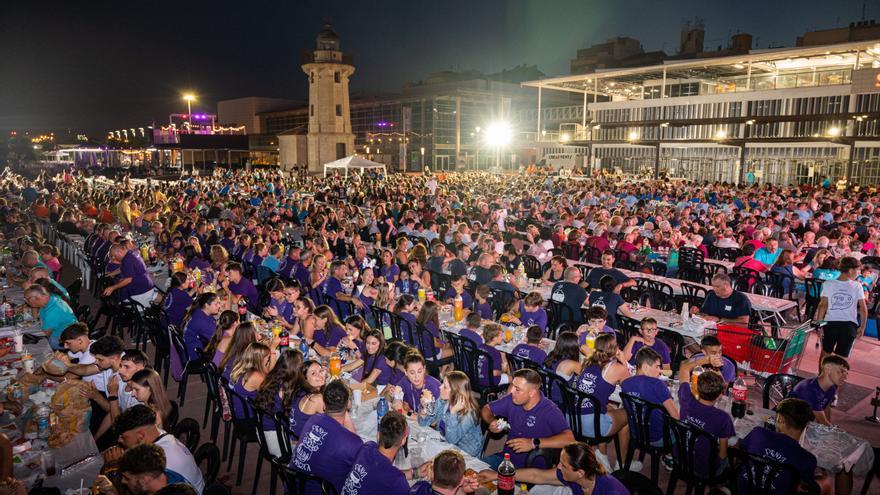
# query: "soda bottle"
{"type": "Point", "coordinates": [458, 311]}
{"type": "Point", "coordinates": [739, 390]}
{"type": "Point", "coordinates": [506, 476]}
{"type": "Point", "coordinates": [381, 410]}
{"type": "Point", "coordinates": [242, 309]}
{"type": "Point", "coordinates": [284, 339]}
{"type": "Point", "coordinates": [695, 374]}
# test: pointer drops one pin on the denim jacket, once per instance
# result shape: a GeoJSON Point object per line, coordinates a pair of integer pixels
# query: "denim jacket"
{"type": "Point", "coordinates": [462, 430]}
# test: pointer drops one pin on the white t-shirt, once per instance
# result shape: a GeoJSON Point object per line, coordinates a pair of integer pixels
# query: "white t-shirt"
{"type": "Point", "coordinates": [181, 461]}
{"type": "Point", "coordinates": [843, 299]}
{"type": "Point", "coordinates": [85, 357]}
{"type": "Point", "coordinates": [125, 397]}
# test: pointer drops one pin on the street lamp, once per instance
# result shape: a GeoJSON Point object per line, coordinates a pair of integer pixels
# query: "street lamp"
{"type": "Point", "coordinates": [498, 134]}
{"type": "Point", "coordinates": [189, 98]}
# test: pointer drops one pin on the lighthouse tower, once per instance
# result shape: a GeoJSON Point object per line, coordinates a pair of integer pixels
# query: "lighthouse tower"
{"type": "Point", "coordinates": [328, 70]}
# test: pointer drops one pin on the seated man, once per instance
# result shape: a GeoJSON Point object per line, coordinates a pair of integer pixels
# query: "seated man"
{"type": "Point", "coordinates": [472, 331]}
{"type": "Point", "coordinates": [820, 392]}
{"type": "Point", "coordinates": [241, 287]}
{"type": "Point", "coordinates": [446, 476]}
{"type": "Point", "coordinates": [137, 425]}
{"type": "Point", "coordinates": [710, 356]}
{"type": "Point", "coordinates": [534, 420]}
{"type": "Point", "coordinates": [328, 443]}
{"type": "Point", "coordinates": [702, 413]}
{"type": "Point", "coordinates": [647, 385]}
{"type": "Point", "coordinates": [142, 470]}
{"type": "Point", "coordinates": [570, 294]}
{"type": "Point", "coordinates": [607, 268]}
{"type": "Point", "coordinates": [723, 304]}
{"type": "Point", "coordinates": [782, 445]}
{"type": "Point", "coordinates": [373, 470]}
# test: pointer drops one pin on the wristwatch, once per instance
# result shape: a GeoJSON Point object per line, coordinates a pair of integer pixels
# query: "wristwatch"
{"type": "Point", "coordinates": [113, 397]}
{"type": "Point", "coordinates": [537, 443]}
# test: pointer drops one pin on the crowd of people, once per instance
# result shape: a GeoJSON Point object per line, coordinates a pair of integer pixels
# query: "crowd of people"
{"type": "Point", "coordinates": [317, 256]}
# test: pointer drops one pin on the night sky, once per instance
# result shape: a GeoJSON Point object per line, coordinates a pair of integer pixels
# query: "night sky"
{"type": "Point", "coordinates": [94, 66]}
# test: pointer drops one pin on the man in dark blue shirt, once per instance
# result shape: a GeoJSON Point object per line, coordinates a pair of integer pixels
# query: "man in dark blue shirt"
{"type": "Point", "coordinates": [607, 268]}
{"type": "Point", "coordinates": [724, 304]}
{"type": "Point", "coordinates": [569, 293]}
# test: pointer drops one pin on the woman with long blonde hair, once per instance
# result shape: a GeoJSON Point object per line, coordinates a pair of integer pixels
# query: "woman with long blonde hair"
{"type": "Point", "coordinates": [248, 375]}
{"type": "Point", "coordinates": [456, 414]}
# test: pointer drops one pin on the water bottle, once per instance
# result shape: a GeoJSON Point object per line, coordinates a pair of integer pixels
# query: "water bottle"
{"type": "Point", "coordinates": [381, 410]}
{"type": "Point", "coordinates": [42, 414]}
{"type": "Point", "coordinates": [304, 347]}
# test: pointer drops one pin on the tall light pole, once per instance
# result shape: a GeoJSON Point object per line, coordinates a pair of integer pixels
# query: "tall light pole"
{"type": "Point", "coordinates": [189, 98]}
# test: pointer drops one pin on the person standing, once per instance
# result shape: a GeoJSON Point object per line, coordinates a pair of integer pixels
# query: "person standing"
{"type": "Point", "coordinates": [843, 306]}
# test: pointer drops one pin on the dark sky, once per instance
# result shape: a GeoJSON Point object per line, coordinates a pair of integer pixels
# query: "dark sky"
{"type": "Point", "coordinates": [94, 65]}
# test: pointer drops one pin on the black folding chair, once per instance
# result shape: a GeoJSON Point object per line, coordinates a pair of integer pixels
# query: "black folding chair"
{"type": "Point", "coordinates": [777, 387]}
{"type": "Point", "coordinates": [640, 414]}
{"type": "Point", "coordinates": [687, 463]}
{"type": "Point", "coordinates": [759, 475]}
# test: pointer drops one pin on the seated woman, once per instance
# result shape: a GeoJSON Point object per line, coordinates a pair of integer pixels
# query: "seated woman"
{"type": "Point", "coordinates": [328, 331]}
{"type": "Point", "coordinates": [395, 354]}
{"type": "Point", "coordinates": [599, 376]}
{"type": "Point", "coordinates": [278, 308]}
{"type": "Point", "coordinates": [248, 374]}
{"type": "Point", "coordinates": [192, 258]}
{"type": "Point", "coordinates": [555, 272]}
{"type": "Point", "coordinates": [177, 299]}
{"type": "Point", "coordinates": [433, 345]}
{"type": "Point", "coordinates": [375, 367]}
{"type": "Point", "coordinates": [223, 337]}
{"type": "Point", "coordinates": [456, 414]}
{"type": "Point", "coordinates": [278, 391]}
{"type": "Point", "coordinates": [785, 266]}
{"type": "Point", "coordinates": [146, 386]}
{"type": "Point", "coordinates": [564, 360]}
{"type": "Point", "coordinates": [304, 324]}
{"type": "Point", "coordinates": [578, 470]}
{"type": "Point", "coordinates": [308, 400]}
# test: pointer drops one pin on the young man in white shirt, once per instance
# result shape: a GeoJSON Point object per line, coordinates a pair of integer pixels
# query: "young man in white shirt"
{"type": "Point", "coordinates": [843, 306]}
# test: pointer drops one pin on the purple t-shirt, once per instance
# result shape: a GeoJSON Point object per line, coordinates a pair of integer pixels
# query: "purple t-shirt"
{"type": "Point", "coordinates": [329, 337]}
{"type": "Point", "coordinates": [245, 288]}
{"type": "Point", "coordinates": [542, 421]}
{"type": "Point", "coordinates": [376, 363]}
{"type": "Point", "coordinates": [413, 396]}
{"type": "Point", "coordinates": [711, 419]}
{"type": "Point", "coordinates": [658, 346]}
{"type": "Point", "coordinates": [810, 391]}
{"type": "Point", "coordinates": [198, 332]}
{"type": "Point", "coordinates": [285, 309]}
{"type": "Point", "coordinates": [133, 266]}
{"type": "Point", "coordinates": [592, 382]}
{"type": "Point", "coordinates": [471, 335]}
{"type": "Point", "coordinates": [487, 377]}
{"type": "Point", "coordinates": [485, 311]}
{"type": "Point", "coordinates": [331, 288]}
{"type": "Point", "coordinates": [467, 301]}
{"type": "Point", "coordinates": [373, 473]}
{"type": "Point", "coordinates": [326, 449]}
{"type": "Point", "coordinates": [582, 339]}
{"type": "Point", "coordinates": [529, 318]}
{"type": "Point", "coordinates": [176, 303]}
{"type": "Point", "coordinates": [389, 272]}
{"type": "Point", "coordinates": [605, 484]}
{"type": "Point", "coordinates": [531, 352]}
{"type": "Point", "coordinates": [781, 448]}
{"type": "Point", "coordinates": [652, 390]}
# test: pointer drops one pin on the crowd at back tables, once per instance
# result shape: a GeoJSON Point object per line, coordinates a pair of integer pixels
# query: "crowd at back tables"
{"type": "Point", "coordinates": [369, 269]}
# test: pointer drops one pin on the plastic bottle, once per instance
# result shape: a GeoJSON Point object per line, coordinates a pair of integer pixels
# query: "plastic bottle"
{"type": "Point", "coordinates": [42, 414]}
{"type": "Point", "coordinates": [685, 312]}
{"type": "Point", "coordinates": [381, 410]}
{"type": "Point", "coordinates": [695, 374]}
{"type": "Point", "coordinates": [506, 476]}
{"type": "Point", "coordinates": [284, 339]}
{"type": "Point", "coordinates": [304, 347]}
{"type": "Point", "coordinates": [458, 311]}
{"type": "Point", "coordinates": [739, 391]}
{"type": "Point", "coordinates": [242, 309]}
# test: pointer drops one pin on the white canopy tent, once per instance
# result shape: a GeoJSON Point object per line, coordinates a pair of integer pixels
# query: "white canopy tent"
{"type": "Point", "coordinates": [353, 162]}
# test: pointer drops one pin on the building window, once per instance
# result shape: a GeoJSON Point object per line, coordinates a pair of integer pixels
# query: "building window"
{"type": "Point", "coordinates": [311, 77]}
{"type": "Point", "coordinates": [340, 150]}
{"type": "Point", "coordinates": [339, 110]}
{"type": "Point", "coordinates": [312, 110]}
{"type": "Point", "coordinates": [336, 77]}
